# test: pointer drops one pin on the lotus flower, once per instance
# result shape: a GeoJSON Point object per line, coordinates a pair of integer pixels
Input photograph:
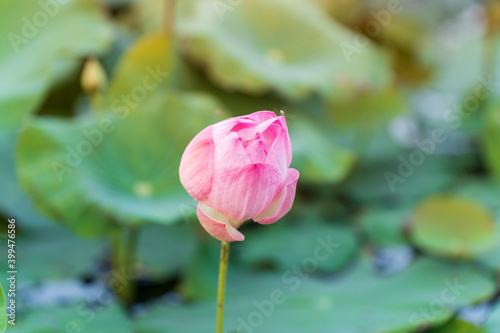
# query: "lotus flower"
{"type": "Point", "coordinates": [238, 169]}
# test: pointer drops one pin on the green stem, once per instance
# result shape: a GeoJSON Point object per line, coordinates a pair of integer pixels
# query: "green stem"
{"type": "Point", "coordinates": [130, 252]}
{"type": "Point", "coordinates": [170, 17]}
{"type": "Point", "coordinates": [221, 289]}
{"type": "Point", "coordinates": [123, 248]}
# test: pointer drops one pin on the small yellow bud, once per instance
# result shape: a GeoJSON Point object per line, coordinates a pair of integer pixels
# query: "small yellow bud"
{"type": "Point", "coordinates": [93, 77]}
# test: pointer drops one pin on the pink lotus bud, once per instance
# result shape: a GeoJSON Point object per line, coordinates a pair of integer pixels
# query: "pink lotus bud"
{"type": "Point", "coordinates": [239, 169]}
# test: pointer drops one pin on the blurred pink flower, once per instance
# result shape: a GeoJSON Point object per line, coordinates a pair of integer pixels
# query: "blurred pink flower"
{"type": "Point", "coordinates": [238, 169]}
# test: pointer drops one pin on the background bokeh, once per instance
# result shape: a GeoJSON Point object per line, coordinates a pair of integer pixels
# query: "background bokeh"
{"type": "Point", "coordinates": [393, 109]}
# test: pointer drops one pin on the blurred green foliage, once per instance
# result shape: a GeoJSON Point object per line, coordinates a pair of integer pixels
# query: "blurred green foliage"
{"type": "Point", "coordinates": [393, 110]}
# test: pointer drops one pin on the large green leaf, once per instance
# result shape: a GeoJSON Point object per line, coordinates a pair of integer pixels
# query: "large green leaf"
{"type": "Point", "coordinates": [393, 303]}
{"type": "Point", "coordinates": [385, 226]}
{"type": "Point", "coordinates": [259, 45]}
{"type": "Point", "coordinates": [485, 191]}
{"type": "Point", "coordinates": [481, 189]}
{"type": "Point", "coordinates": [70, 257]}
{"type": "Point", "coordinates": [457, 326]}
{"type": "Point", "coordinates": [189, 78]}
{"type": "Point", "coordinates": [113, 167]}
{"type": "Point", "coordinates": [287, 246]}
{"type": "Point", "coordinates": [427, 293]}
{"type": "Point", "coordinates": [369, 109]}
{"type": "Point", "coordinates": [318, 158]}
{"type": "Point", "coordinates": [396, 178]}
{"type": "Point", "coordinates": [387, 171]}
{"type": "Point", "coordinates": [491, 259]}
{"type": "Point", "coordinates": [453, 227]}
{"type": "Point", "coordinates": [149, 54]}
{"type": "Point", "coordinates": [32, 28]}
{"type": "Point", "coordinates": [102, 318]}
{"type": "Point", "coordinates": [13, 201]}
